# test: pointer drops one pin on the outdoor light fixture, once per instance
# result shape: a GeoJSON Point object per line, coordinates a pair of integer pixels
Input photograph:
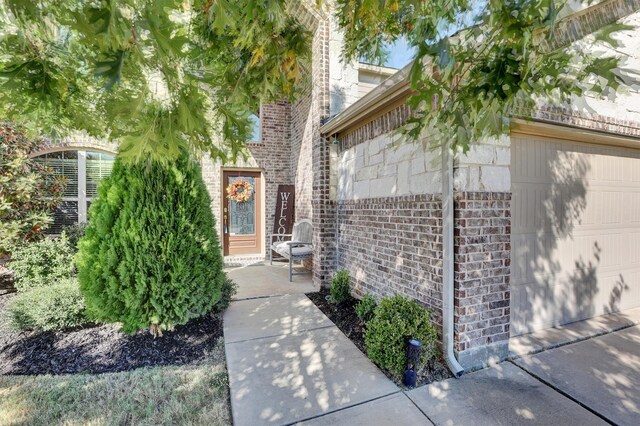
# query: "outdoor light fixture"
{"type": "Point", "coordinates": [413, 357]}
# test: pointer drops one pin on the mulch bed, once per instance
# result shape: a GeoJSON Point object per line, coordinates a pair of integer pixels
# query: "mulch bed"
{"type": "Point", "coordinates": [103, 348]}
{"type": "Point", "coordinates": [345, 318]}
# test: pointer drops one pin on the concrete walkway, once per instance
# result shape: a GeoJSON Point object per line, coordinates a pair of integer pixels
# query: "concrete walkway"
{"type": "Point", "coordinates": [289, 364]}
{"type": "Point", "coordinates": [262, 280]}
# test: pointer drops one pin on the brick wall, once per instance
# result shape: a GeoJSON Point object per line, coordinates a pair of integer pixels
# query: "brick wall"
{"type": "Point", "coordinates": [271, 156]}
{"type": "Point", "coordinates": [482, 250]}
{"type": "Point", "coordinates": [588, 120]}
{"type": "Point", "coordinates": [324, 208]}
{"type": "Point", "coordinates": [589, 20]}
{"type": "Point", "coordinates": [301, 149]}
{"type": "Point", "coordinates": [377, 126]}
{"type": "Point", "coordinates": [393, 245]}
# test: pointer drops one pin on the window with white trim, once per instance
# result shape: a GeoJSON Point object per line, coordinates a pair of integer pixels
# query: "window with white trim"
{"type": "Point", "coordinates": [256, 128]}
{"type": "Point", "coordinates": [83, 171]}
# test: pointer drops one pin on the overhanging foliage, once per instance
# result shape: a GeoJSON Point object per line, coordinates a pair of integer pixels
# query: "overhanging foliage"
{"type": "Point", "coordinates": [479, 62]}
{"type": "Point", "coordinates": [161, 75]}
{"type": "Point", "coordinates": [157, 76]}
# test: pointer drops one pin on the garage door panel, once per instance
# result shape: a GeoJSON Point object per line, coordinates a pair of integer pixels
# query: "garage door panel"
{"type": "Point", "coordinates": [546, 304]}
{"type": "Point", "coordinates": [575, 231]}
{"type": "Point", "coordinates": [528, 203]}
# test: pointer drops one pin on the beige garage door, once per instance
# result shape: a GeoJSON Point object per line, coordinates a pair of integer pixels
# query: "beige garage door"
{"type": "Point", "coordinates": [575, 231]}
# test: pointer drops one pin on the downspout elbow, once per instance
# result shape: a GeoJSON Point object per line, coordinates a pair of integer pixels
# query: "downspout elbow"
{"type": "Point", "coordinates": [448, 263]}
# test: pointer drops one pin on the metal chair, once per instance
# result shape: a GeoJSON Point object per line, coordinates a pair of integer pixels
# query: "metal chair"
{"type": "Point", "coordinates": [298, 248]}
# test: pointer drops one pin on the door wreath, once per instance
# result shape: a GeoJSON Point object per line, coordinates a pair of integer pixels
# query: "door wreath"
{"type": "Point", "coordinates": [239, 191]}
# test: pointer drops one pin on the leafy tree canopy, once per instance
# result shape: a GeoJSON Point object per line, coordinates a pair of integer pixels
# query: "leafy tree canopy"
{"type": "Point", "coordinates": [158, 75]}
{"type": "Point", "coordinates": [479, 62]}
{"type": "Point", "coordinates": [28, 189]}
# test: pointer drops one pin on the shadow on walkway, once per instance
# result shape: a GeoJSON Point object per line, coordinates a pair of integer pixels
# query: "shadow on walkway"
{"type": "Point", "coordinates": [262, 280]}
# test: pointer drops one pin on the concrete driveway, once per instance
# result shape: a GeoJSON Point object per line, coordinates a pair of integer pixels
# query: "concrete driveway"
{"type": "Point", "coordinates": [596, 381]}
{"type": "Point", "coordinates": [602, 374]}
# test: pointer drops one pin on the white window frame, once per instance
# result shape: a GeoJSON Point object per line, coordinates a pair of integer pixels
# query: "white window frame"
{"type": "Point", "coordinates": [259, 115]}
{"type": "Point", "coordinates": [81, 198]}
{"type": "Point", "coordinates": [82, 186]}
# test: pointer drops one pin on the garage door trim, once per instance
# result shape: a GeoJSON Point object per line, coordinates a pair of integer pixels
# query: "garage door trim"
{"type": "Point", "coordinates": [574, 134]}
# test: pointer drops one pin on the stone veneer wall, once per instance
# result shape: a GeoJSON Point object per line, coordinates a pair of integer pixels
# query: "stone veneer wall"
{"type": "Point", "coordinates": [343, 87]}
{"type": "Point", "coordinates": [77, 141]}
{"type": "Point", "coordinates": [393, 245]}
{"type": "Point", "coordinates": [482, 253]}
{"type": "Point", "coordinates": [389, 224]}
{"type": "Point", "coordinates": [387, 166]}
{"type": "Point", "coordinates": [389, 229]}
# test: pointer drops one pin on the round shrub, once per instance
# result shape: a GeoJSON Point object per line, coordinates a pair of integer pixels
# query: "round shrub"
{"type": "Point", "coordinates": [365, 308]}
{"type": "Point", "coordinates": [150, 256]}
{"type": "Point", "coordinates": [340, 290]}
{"type": "Point", "coordinates": [39, 263]}
{"type": "Point", "coordinates": [54, 307]}
{"type": "Point", "coordinates": [396, 320]}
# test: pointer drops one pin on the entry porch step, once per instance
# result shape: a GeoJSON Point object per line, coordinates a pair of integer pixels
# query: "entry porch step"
{"type": "Point", "coordinates": [243, 260]}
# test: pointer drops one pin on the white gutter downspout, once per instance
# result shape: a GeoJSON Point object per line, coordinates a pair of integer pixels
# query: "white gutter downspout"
{"type": "Point", "coordinates": [448, 262]}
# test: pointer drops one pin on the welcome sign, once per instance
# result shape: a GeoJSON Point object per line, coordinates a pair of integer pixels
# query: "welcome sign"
{"type": "Point", "coordinates": [285, 208]}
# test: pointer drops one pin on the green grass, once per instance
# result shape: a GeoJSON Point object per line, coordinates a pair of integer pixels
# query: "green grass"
{"type": "Point", "coordinates": [185, 395]}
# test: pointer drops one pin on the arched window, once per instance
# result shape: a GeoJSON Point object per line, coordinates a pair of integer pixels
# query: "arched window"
{"type": "Point", "coordinates": [83, 170]}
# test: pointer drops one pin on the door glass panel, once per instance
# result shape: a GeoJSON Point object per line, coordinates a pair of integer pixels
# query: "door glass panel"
{"type": "Point", "coordinates": [242, 216]}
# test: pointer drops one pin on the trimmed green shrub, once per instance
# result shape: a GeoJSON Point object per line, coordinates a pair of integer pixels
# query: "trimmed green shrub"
{"type": "Point", "coordinates": [396, 320]}
{"type": "Point", "coordinates": [150, 256]}
{"type": "Point", "coordinates": [365, 308]}
{"type": "Point", "coordinates": [228, 290]}
{"type": "Point", "coordinates": [56, 306]}
{"type": "Point", "coordinates": [74, 233]}
{"type": "Point", "coordinates": [39, 263]}
{"type": "Point", "coordinates": [340, 290]}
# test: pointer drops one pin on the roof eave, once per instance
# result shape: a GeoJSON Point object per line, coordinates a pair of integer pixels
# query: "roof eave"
{"type": "Point", "coordinates": [393, 88]}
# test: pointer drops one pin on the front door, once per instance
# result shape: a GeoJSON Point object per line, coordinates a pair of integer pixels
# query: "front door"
{"type": "Point", "coordinates": [241, 214]}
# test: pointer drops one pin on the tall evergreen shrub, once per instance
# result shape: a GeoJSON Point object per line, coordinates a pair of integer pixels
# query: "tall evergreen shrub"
{"type": "Point", "coordinates": [150, 256]}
